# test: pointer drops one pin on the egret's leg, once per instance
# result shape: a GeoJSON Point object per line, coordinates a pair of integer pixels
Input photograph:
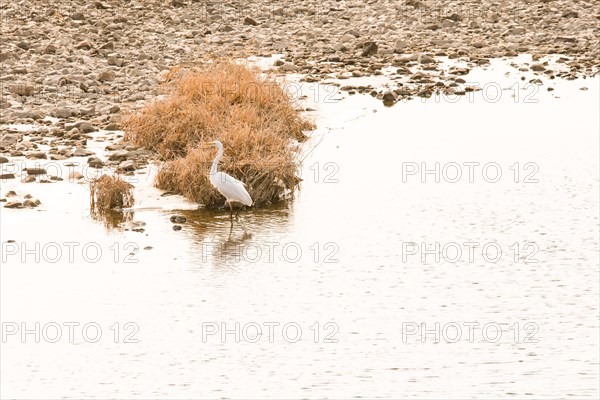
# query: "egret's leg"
{"type": "Point", "coordinates": [230, 213]}
{"type": "Point", "coordinates": [238, 213]}
{"type": "Point", "coordinates": [241, 223]}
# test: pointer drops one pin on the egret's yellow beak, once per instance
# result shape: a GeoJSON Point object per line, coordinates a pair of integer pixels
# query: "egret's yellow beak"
{"type": "Point", "coordinates": [207, 144]}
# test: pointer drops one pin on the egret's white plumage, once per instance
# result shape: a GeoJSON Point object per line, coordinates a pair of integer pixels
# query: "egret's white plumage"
{"type": "Point", "coordinates": [233, 189]}
{"type": "Point", "coordinates": [227, 185]}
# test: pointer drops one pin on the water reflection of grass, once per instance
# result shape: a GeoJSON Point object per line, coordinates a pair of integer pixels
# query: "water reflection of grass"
{"type": "Point", "coordinates": [113, 219]}
{"type": "Point", "coordinates": [108, 196]}
{"type": "Point", "coordinates": [223, 246]}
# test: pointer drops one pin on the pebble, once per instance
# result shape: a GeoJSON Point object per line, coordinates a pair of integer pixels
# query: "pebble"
{"type": "Point", "coordinates": [369, 48]}
{"type": "Point", "coordinates": [127, 166]}
{"type": "Point", "coordinates": [119, 155]}
{"type": "Point", "coordinates": [538, 67]}
{"type": "Point", "coordinates": [61, 112]}
{"type": "Point", "coordinates": [107, 75]}
{"type": "Point", "coordinates": [31, 203]}
{"type": "Point", "coordinates": [87, 127]}
{"type": "Point", "coordinates": [95, 162]}
{"type": "Point", "coordinates": [288, 67]}
{"type": "Point", "coordinates": [35, 171]}
{"type": "Point", "coordinates": [389, 97]}
{"type": "Point", "coordinates": [83, 45]}
{"type": "Point", "coordinates": [250, 21]}
{"type": "Point", "coordinates": [37, 155]}
{"type": "Point", "coordinates": [82, 152]}
{"type": "Point", "coordinates": [22, 90]}
{"type": "Point", "coordinates": [74, 175]}
{"type": "Point", "coordinates": [178, 219]}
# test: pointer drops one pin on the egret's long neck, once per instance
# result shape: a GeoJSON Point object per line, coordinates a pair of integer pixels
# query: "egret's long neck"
{"type": "Point", "coordinates": [213, 167]}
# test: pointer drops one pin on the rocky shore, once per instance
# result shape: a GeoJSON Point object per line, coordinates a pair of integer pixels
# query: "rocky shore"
{"type": "Point", "coordinates": [85, 62]}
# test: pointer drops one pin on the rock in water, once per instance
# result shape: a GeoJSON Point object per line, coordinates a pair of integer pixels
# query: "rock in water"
{"type": "Point", "coordinates": [389, 98]}
{"type": "Point", "coordinates": [35, 171]}
{"type": "Point", "coordinates": [178, 219]}
{"type": "Point", "coordinates": [31, 203]}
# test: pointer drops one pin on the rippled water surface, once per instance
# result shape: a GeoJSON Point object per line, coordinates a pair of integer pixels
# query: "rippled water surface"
{"type": "Point", "coordinates": [340, 255]}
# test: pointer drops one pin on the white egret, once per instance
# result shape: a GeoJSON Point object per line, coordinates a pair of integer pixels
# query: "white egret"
{"type": "Point", "coordinates": [232, 189]}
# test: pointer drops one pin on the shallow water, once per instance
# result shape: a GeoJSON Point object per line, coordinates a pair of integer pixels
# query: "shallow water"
{"type": "Point", "coordinates": [342, 255]}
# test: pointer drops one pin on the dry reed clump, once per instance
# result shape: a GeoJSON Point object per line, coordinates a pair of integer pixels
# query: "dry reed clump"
{"type": "Point", "coordinates": [251, 115]}
{"type": "Point", "coordinates": [109, 193]}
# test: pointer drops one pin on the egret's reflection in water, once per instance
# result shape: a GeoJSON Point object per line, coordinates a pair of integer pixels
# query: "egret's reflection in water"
{"type": "Point", "coordinates": [220, 243]}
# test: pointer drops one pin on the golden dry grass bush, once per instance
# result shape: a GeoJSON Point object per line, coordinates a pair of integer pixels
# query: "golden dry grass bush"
{"type": "Point", "coordinates": [108, 193]}
{"type": "Point", "coordinates": [250, 114]}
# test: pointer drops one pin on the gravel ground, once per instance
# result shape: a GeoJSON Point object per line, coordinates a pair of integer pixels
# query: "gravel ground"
{"type": "Point", "coordinates": [83, 62]}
